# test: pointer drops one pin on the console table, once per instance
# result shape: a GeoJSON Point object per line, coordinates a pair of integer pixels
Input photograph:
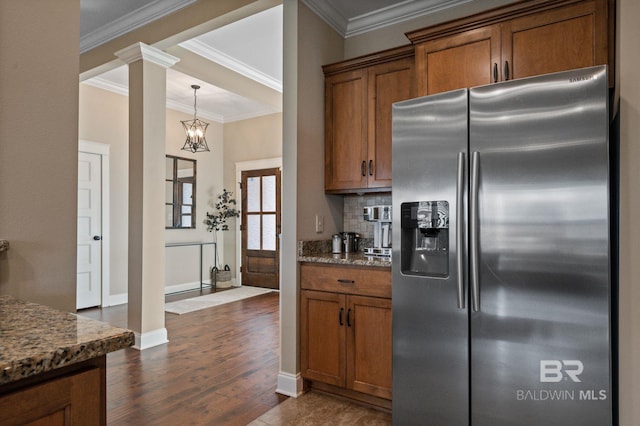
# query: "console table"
{"type": "Point", "coordinates": [215, 259]}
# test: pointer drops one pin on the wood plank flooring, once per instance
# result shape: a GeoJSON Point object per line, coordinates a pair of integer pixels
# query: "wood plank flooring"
{"type": "Point", "coordinates": [219, 368]}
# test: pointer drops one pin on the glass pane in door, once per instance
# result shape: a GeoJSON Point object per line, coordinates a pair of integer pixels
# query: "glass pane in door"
{"type": "Point", "coordinates": [253, 231]}
{"type": "Point", "coordinates": [268, 193]}
{"type": "Point", "coordinates": [269, 232]}
{"type": "Point", "coordinates": [253, 194]}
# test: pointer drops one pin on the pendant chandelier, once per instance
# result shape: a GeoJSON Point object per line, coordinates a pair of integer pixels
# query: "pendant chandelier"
{"type": "Point", "coordinates": [195, 129]}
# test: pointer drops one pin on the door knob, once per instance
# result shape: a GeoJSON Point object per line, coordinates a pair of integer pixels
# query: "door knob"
{"type": "Point", "coordinates": [97, 237]}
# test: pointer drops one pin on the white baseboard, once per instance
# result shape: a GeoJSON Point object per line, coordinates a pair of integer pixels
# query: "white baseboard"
{"type": "Point", "coordinates": [289, 384]}
{"type": "Point", "coordinates": [195, 285]}
{"type": "Point", "coordinates": [122, 298]}
{"type": "Point", "coordinates": [117, 299]}
{"type": "Point", "coordinates": [150, 339]}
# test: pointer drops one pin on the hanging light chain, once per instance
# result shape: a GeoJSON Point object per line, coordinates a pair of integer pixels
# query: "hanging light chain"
{"type": "Point", "coordinates": [195, 88]}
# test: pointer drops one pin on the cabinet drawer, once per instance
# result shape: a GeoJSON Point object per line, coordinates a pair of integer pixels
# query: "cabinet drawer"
{"type": "Point", "coordinates": [374, 282]}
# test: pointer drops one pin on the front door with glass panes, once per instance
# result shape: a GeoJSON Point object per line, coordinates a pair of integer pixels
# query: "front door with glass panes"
{"type": "Point", "coordinates": [260, 227]}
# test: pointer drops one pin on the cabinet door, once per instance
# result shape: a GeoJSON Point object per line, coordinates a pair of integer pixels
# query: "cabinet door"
{"type": "Point", "coordinates": [467, 59]}
{"type": "Point", "coordinates": [369, 345]}
{"type": "Point", "coordinates": [322, 336]}
{"type": "Point", "coordinates": [557, 40]}
{"type": "Point", "coordinates": [388, 83]}
{"type": "Point", "coordinates": [346, 130]}
{"type": "Point", "coordinates": [70, 400]}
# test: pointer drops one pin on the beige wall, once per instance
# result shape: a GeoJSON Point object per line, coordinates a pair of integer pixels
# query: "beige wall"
{"type": "Point", "coordinates": [628, 64]}
{"type": "Point", "coordinates": [246, 140]}
{"type": "Point", "coordinates": [104, 118]}
{"type": "Point", "coordinates": [318, 44]}
{"type": "Point", "coordinates": [38, 149]}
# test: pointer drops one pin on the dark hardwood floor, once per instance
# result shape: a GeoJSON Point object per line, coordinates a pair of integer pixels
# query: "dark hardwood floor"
{"type": "Point", "coordinates": [219, 368]}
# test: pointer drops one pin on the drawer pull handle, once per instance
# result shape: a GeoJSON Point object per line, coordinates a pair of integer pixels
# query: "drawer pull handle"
{"type": "Point", "coordinates": [349, 317]}
{"type": "Point", "coordinates": [340, 316]}
{"type": "Point", "coordinates": [346, 281]}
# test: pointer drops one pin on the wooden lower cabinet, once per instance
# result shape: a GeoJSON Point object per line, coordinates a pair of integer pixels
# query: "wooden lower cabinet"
{"type": "Point", "coordinates": [75, 399]}
{"type": "Point", "coordinates": [346, 338]}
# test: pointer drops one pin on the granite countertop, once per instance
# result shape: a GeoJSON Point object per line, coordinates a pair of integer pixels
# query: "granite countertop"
{"type": "Point", "coordinates": [35, 339]}
{"type": "Point", "coordinates": [357, 259]}
{"type": "Point", "coordinates": [319, 251]}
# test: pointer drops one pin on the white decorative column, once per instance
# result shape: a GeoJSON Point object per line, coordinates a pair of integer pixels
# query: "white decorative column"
{"type": "Point", "coordinates": [147, 116]}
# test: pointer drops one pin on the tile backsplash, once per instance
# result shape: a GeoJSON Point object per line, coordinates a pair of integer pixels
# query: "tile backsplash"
{"type": "Point", "coordinates": [352, 219]}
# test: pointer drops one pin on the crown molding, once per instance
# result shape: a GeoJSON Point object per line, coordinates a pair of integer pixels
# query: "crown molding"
{"type": "Point", "coordinates": [233, 64]}
{"type": "Point", "coordinates": [329, 14]}
{"type": "Point", "coordinates": [401, 12]}
{"type": "Point", "coordinates": [123, 90]}
{"type": "Point", "coordinates": [110, 86]}
{"type": "Point", "coordinates": [138, 51]}
{"type": "Point", "coordinates": [130, 22]}
{"type": "Point", "coordinates": [188, 109]}
{"type": "Point", "coordinates": [254, 114]}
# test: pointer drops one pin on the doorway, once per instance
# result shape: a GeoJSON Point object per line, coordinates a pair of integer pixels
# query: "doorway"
{"type": "Point", "coordinates": [260, 229]}
{"type": "Point", "coordinates": [92, 270]}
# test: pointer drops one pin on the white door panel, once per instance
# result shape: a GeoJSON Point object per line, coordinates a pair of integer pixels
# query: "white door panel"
{"type": "Point", "coordinates": [89, 268]}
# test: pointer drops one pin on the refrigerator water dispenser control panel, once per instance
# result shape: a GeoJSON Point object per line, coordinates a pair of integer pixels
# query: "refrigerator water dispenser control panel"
{"type": "Point", "coordinates": [425, 238]}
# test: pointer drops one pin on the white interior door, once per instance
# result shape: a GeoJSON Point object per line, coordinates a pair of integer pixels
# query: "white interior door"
{"type": "Point", "coordinates": [89, 269]}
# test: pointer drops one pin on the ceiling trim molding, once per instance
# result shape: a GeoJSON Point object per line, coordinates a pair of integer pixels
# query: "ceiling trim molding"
{"type": "Point", "coordinates": [104, 84]}
{"type": "Point", "coordinates": [140, 51]}
{"type": "Point", "coordinates": [395, 14]}
{"type": "Point", "coordinates": [123, 90]}
{"type": "Point", "coordinates": [188, 109]}
{"type": "Point", "coordinates": [233, 64]}
{"type": "Point", "coordinates": [130, 22]}
{"type": "Point", "coordinates": [401, 12]}
{"type": "Point", "coordinates": [329, 14]}
{"type": "Point", "coordinates": [253, 114]}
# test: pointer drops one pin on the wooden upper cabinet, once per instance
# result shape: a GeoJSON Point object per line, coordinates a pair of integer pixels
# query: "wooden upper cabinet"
{"type": "Point", "coordinates": [388, 83]}
{"type": "Point", "coordinates": [556, 40]}
{"type": "Point", "coordinates": [358, 97]}
{"type": "Point", "coordinates": [346, 130]}
{"type": "Point", "coordinates": [467, 59]}
{"type": "Point", "coordinates": [520, 40]}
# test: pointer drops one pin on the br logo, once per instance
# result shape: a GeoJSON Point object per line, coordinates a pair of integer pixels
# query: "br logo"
{"type": "Point", "coordinates": [554, 370]}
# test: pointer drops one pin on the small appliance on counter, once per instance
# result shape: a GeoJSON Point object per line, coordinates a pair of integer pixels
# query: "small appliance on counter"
{"type": "Point", "coordinates": [381, 218]}
{"type": "Point", "coordinates": [336, 243]}
{"type": "Point", "coordinates": [350, 242]}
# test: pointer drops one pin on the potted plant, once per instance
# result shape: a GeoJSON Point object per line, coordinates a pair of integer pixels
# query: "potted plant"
{"type": "Point", "coordinates": [225, 209]}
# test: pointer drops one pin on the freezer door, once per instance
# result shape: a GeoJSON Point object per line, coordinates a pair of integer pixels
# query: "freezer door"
{"type": "Point", "coordinates": [540, 347]}
{"type": "Point", "coordinates": [430, 319]}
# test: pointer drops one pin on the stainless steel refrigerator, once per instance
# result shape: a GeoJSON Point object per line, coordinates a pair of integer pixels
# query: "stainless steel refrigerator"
{"type": "Point", "coordinates": [501, 264]}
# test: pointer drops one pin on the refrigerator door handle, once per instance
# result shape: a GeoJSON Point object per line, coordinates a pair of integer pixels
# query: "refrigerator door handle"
{"type": "Point", "coordinates": [473, 231]}
{"type": "Point", "coordinates": [460, 230]}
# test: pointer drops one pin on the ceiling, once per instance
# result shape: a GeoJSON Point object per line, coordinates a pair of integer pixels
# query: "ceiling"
{"type": "Point", "coordinates": [251, 47]}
